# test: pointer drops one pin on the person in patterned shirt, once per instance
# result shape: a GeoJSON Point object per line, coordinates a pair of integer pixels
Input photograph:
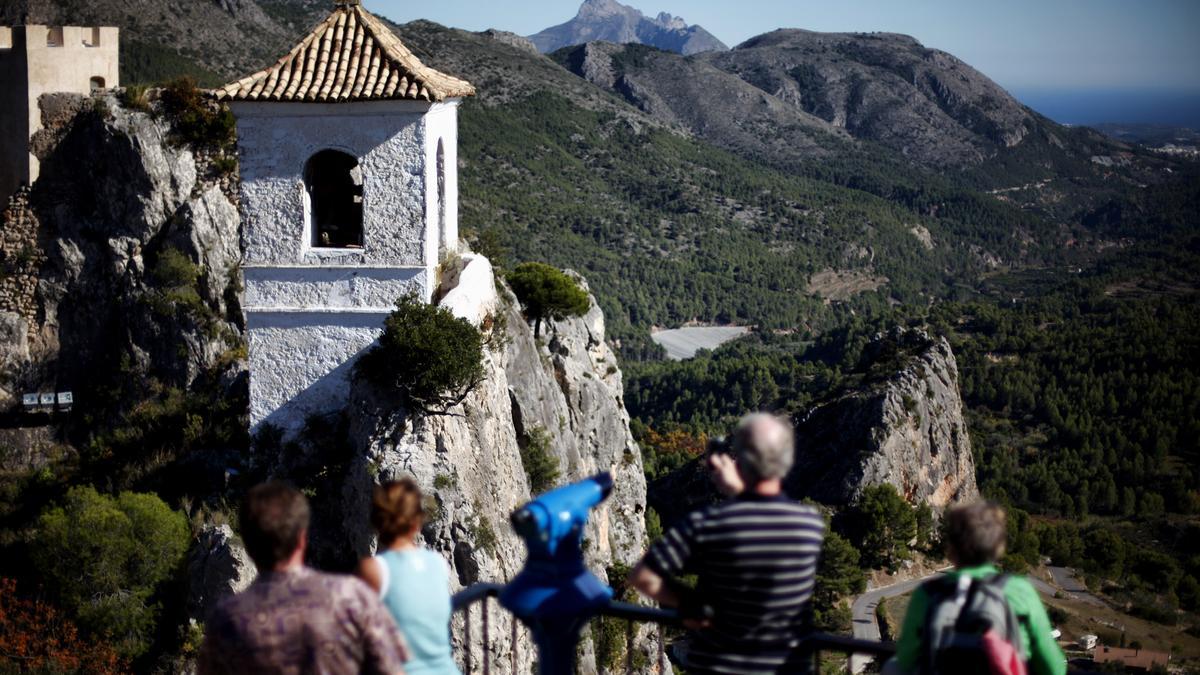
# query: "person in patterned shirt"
{"type": "Point", "coordinates": [294, 619]}
{"type": "Point", "coordinates": [755, 556]}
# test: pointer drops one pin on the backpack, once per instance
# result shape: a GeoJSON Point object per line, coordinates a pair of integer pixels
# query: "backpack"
{"type": "Point", "coordinates": [970, 629]}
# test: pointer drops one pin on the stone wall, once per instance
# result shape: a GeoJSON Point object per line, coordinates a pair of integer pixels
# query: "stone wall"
{"type": "Point", "coordinates": [20, 257]}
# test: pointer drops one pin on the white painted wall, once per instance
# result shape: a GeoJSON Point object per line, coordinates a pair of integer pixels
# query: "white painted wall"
{"type": "Point", "coordinates": [310, 312]}
{"type": "Point", "coordinates": [442, 125]}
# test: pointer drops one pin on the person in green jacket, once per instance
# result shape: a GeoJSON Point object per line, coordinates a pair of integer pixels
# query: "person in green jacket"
{"type": "Point", "coordinates": [975, 540]}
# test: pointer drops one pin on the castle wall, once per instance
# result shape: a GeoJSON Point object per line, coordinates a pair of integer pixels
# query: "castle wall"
{"type": "Point", "coordinates": [41, 60]}
{"type": "Point", "coordinates": [14, 116]}
{"type": "Point", "coordinates": [310, 311]}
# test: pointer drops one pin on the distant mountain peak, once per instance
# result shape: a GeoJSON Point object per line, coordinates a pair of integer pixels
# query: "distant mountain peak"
{"type": "Point", "coordinates": [612, 21]}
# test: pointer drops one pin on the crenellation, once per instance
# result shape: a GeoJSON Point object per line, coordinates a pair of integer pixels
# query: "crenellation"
{"type": "Point", "coordinates": [35, 60]}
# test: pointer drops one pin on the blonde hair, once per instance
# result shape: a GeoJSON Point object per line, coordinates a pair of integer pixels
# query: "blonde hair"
{"type": "Point", "coordinates": [396, 509]}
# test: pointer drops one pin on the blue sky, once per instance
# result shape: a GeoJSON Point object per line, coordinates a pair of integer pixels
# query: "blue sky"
{"type": "Point", "coordinates": [1025, 45]}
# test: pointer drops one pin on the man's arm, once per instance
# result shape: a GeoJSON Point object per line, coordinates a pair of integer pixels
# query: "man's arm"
{"type": "Point", "coordinates": [1045, 656]}
{"type": "Point", "coordinates": [653, 586]}
{"type": "Point", "coordinates": [908, 647]}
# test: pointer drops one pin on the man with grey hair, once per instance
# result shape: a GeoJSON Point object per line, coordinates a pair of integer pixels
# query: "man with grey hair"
{"type": "Point", "coordinates": [755, 556]}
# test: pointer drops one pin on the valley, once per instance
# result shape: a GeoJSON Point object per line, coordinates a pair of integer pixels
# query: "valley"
{"type": "Point", "coordinates": [950, 294]}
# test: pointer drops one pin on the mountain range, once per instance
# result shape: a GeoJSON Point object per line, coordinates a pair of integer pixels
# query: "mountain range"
{"type": "Point", "coordinates": [724, 186]}
{"type": "Point", "coordinates": [611, 21]}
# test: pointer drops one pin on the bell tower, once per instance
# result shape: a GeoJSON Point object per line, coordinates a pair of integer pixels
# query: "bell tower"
{"type": "Point", "coordinates": [349, 197]}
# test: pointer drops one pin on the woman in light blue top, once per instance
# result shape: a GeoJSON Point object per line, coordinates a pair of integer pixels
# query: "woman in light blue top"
{"type": "Point", "coordinates": [413, 582]}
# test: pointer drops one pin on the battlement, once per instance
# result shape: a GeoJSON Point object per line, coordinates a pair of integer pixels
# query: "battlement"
{"type": "Point", "coordinates": [67, 38]}
{"type": "Point", "coordinates": [37, 59]}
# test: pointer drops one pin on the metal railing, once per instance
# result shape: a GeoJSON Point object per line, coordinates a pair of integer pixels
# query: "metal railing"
{"type": "Point", "coordinates": [814, 645]}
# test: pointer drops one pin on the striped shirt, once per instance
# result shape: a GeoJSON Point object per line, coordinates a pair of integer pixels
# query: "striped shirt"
{"type": "Point", "coordinates": [756, 558]}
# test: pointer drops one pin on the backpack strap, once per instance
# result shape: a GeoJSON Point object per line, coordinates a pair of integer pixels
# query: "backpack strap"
{"type": "Point", "coordinates": [939, 591]}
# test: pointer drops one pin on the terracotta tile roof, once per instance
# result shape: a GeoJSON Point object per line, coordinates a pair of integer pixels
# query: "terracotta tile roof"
{"type": "Point", "coordinates": [350, 56]}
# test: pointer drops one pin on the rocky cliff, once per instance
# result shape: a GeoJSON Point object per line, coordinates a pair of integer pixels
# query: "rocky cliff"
{"type": "Point", "coordinates": [900, 422]}
{"type": "Point", "coordinates": [564, 386]}
{"type": "Point", "coordinates": [903, 426]}
{"type": "Point", "coordinates": [611, 21]}
{"type": "Point", "coordinates": [120, 271]}
{"type": "Point", "coordinates": [122, 281]}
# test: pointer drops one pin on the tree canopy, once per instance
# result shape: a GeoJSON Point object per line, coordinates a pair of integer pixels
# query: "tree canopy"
{"type": "Point", "coordinates": [104, 558]}
{"type": "Point", "coordinates": [546, 292]}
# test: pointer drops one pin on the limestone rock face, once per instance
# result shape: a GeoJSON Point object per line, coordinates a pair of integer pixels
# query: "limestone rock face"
{"type": "Point", "coordinates": [903, 426]}
{"type": "Point", "coordinates": [116, 197]}
{"type": "Point", "coordinates": [612, 21]}
{"type": "Point", "coordinates": [906, 429]}
{"type": "Point", "coordinates": [218, 565]}
{"type": "Point", "coordinates": [468, 461]}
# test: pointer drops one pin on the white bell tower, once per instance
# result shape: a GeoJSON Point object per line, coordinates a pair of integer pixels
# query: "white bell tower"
{"type": "Point", "coordinates": [349, 198]}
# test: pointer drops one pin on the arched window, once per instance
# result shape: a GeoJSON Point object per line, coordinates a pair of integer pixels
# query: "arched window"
{"type": "Point", "coordinates": [97, 83]}
{"type": "Point", "coordinates": [441, 198]}
{"type": "Point", "coordinates": [334, 184]}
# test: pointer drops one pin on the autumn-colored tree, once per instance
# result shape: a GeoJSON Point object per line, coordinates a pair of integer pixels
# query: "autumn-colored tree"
{"type": "Point", "coordinates": [663, 452]}
{"type": "Point", "coordinates": [36, 637]}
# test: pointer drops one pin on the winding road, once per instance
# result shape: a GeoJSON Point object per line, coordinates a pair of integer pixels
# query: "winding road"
{"type": "Point", "coordinates": [863, 614]}
{"type": "Point", "coordinates": [867, 628]}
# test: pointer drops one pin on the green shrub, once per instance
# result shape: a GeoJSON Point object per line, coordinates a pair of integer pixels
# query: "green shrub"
{"type": "Point", "coordinates": [175, 287]}
{"type": "Point", "coordinates": [541, 466]}
{"type": "Point", "coordinates": [429, 357]}
{"type": "Point", "coordinates": [547, 293]}
{"type": "Point", "coordinates": [134, 97]}
{"type": "Point", "coordinates": [104, 557]}
{"type": "Point", "coordinates": [194, 121]}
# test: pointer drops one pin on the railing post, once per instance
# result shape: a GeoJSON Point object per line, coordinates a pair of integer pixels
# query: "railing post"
{"type": "Point", "coordinates": [467, 639]}
{"type": "Point", "coordinates": [487, 657]}
{"type": "Point", "coordinates": [628, 647]}
{"type": "Point", "coordinates": [513, 623]}
{"type": "Point", "coordinates": [662, 648]}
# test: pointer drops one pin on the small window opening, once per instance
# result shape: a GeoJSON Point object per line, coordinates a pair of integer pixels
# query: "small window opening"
{"type": "Point", "coordinates": [97, 83]}
{"type": "Point", "coordinates": [54, 36]}
{"type": "Point", "coordinates": [92, 38]}
{"type": "Point", "coordinates": [334, 184]}
{"type": "Point", "coordinates": [443, 244]}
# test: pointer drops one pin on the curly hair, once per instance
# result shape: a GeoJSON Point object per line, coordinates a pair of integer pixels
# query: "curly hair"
{"type": "Point", "coordinates": [396, 509]}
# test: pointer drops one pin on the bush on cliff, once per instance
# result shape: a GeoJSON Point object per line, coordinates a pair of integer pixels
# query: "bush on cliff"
{"type": "Point", "coordinates": [195, 121]}
{"type": "Point", "coordinates": [546, 292]}
{"type": "Point", "coordinates": [104, 557]}
{"type": "Point", "coordinates": [426, 354]}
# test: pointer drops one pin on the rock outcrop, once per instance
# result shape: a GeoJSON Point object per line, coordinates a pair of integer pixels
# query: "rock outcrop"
{"type": "Point", "coordinates": [468, 461]}
{"type": "Point", "coordinates": [124, 260]}
{"type": "Point", "coordinates": [902, 425]}
{"type": "Point", "coordinates": [905, 427]}
{"type": "Point", "coordinates": [612, 21]}
{"type": "Point", "coordinates": [218, 565]}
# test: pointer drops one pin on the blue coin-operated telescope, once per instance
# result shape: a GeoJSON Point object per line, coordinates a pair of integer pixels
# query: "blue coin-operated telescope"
{"type": "Point", "coordinates": [555, 595]}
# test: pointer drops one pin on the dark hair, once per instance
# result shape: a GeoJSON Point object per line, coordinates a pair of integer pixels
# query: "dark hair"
{"type": "Point", "coordinates": [396, 509]}
{"type": "Point", "coordinates": [976, 533]}
{"type": "Point", "coordinates": [274, 516]}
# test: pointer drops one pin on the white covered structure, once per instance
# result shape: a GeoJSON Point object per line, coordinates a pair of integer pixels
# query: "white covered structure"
{"type": "Point", "coordinates": [347, 148]}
